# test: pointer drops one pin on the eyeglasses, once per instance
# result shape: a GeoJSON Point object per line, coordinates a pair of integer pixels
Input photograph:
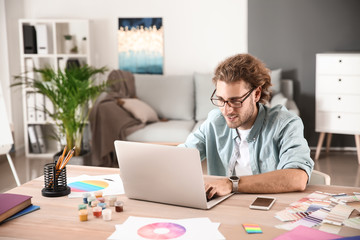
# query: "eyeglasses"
{"type": "Point", "coordinates": [234, 103]}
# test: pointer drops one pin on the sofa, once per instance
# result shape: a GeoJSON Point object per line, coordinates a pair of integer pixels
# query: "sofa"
{"type": "Point", "coordinates": [181, 103]}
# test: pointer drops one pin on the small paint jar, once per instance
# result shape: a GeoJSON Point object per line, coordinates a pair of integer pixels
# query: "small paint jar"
{"type": "Point", "coordinates": [82, 206]}
{"type": "Point", "coordinates": [85, 197]}
{"type": "Point", "coordinates": [90, 199]}
{"type": "Point", "coordinates": [102, 205]}
{"type": "Point", "coordinates": [97, 211]}
{"type": "Point", "coordinates": [119, 206]}
{"type": "Point", "coordinates": [83, 215]}
{"type": "Point", "coordinates": [98, 194]}
{"type": "Point", "coordinates": [112, 200]}
{"type": "Point", "coordinates": [106, 213]}
{"type": "Point", "coordinates": [101, 199]}
{"type": "Point", "coordinates": [94, 203]}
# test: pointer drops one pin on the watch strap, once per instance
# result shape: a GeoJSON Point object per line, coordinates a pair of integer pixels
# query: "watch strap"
{"type": "Point", "coordinates": [235, 188]}
{"type": "Point", "coordinates": [235, 183]}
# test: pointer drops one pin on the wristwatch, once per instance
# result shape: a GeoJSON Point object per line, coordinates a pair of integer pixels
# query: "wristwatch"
{"type": "Point", "coordinates": [235, 183]}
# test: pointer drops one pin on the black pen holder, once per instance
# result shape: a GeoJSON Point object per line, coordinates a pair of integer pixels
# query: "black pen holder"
{"type": "Point", "coordinates": [54, 182]}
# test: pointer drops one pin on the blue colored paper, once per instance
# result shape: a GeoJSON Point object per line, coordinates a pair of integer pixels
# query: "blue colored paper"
{"type": "Point", "coordinates": [27, 210]}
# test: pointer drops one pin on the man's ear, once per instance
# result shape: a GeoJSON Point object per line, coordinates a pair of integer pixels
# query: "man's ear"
{"type": "Point", "coordinates": [258, 94]}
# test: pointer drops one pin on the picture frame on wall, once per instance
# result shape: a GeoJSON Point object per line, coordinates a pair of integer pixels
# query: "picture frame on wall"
{"type": "Point", "coordinates": [141, 45]}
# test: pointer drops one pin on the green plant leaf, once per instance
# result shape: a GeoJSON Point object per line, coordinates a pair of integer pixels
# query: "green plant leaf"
{"type": "Point", "coordinates": [70, 91]}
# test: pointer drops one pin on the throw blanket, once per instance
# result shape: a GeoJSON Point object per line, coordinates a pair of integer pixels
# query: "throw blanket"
{"type": "Point", "coordinates": [109, 121]}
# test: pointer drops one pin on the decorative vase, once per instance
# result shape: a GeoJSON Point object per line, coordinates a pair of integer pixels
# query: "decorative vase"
{"type": "Point", "coordinates": [68, 45]}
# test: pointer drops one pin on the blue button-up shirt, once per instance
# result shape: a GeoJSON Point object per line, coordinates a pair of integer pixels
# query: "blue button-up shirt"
{"type": "Point", "coordinates": [276, 141]}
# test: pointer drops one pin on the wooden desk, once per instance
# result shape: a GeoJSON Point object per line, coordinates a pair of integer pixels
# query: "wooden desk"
{"type": "Point", "coordinates": [58, 218]}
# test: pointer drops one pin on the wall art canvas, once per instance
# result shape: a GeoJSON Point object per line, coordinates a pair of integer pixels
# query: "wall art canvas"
{"type": "Point", "coordinates": [141, 45]}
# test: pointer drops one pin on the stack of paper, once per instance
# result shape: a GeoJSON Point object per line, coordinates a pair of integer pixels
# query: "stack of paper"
{"type": "Point", "coordinates": [156, 228]}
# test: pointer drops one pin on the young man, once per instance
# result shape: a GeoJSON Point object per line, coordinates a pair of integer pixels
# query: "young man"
{"type": "Point", "coordinates": [258, 149]}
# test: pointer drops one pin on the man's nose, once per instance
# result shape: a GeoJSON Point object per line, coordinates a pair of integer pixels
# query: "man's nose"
{"type": "Point", "coordinates": [228, 108]}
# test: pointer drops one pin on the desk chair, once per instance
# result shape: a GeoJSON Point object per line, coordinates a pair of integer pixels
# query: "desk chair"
{"type": "Point", "coordinates": [319, 178]}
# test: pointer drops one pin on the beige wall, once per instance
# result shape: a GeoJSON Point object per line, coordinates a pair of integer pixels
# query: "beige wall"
{"type": "Point", "coordinates": [197, 33]}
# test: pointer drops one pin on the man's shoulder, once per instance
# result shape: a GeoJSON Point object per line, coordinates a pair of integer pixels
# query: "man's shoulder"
{"type": "Point", "coordinates": [215, 114]}
{"type": "Point", "coordinates": [215, 120]}
{"type": "Point", "coordinates": [280, 113]}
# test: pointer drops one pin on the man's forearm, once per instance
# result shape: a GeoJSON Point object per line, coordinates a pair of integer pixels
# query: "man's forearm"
{"type": "Point", "coordinates": [284, 180]}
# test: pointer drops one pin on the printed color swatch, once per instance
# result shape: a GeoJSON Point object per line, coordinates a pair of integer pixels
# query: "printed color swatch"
{"type": "Point", "coordinates": [88, 186]}
{"type": "Point", "coordinates": [161, 230]}
{"type": "Point", "coordinates": [252, 228]}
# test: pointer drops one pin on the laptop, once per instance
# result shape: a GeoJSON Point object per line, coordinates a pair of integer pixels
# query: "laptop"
{"type": "Point", "coordinates": [163, 174]}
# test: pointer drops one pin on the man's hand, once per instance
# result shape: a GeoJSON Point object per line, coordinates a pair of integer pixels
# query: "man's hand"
{"type": "Point", "coordinates": [217, 187]}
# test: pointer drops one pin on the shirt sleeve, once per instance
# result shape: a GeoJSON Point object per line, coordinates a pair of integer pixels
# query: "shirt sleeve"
{"type": "Point", "coordinates": [294, 151]}
{"type": "Point", "coordinates": [196, 140]}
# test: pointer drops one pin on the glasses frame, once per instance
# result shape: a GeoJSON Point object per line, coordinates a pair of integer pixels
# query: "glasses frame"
{"type": "Point", "coordinates": [228, 102]}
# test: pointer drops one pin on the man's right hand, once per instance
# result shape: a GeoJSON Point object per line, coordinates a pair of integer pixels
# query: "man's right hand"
{"type": "Point", "coordinates": [217, 187]}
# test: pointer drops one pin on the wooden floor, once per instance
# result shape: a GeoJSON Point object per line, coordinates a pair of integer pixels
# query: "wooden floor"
{"type": "Point", "coordinates": [342, 166]}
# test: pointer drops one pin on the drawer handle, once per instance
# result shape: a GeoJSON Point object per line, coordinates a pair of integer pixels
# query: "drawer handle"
{"type": "Point", "coordinates": [340, 61]}
{"type": "Point", "coordinates": [339, 117]}
{"type": "Point", "coordinates": [339, 98]}
{"type": "Point", "coordinates": [339, 79]}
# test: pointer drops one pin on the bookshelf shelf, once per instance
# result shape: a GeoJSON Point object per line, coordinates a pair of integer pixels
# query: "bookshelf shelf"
{"type": "Point", "coordinates": [42, 43]}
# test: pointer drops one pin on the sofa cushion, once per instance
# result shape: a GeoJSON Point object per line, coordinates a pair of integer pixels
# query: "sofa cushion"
{"type": "Point", "coordinates": [174, 131]}
{"type": "Point", "coordinates": [140, 110]}
{"type": "Point", "coordinates": [292, 107]}
{"type": "Point", "coordinates": [203, 90]}
{"type": "Point", "coordinates": [278, 99]}
{"type": "Point", "coordinates": [276, 80]}
{"type": "Point", "coordinates": [172, 97]}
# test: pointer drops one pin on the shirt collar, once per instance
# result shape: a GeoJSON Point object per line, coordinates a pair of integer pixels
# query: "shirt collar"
{"type": "Point", "coordinates": [255, 131]}
{"type": "Point", "coordinates": [260, 118]}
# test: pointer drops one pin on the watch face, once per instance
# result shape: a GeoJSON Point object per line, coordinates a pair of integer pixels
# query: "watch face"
{"type": "Point", "coordinates": [234, 178]}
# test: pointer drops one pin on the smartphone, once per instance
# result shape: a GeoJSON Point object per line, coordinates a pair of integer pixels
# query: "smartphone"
{"type": "Point", "coordinates": [263, 203]}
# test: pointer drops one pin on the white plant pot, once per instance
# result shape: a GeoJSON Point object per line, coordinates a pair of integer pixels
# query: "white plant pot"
{"type": "Point", "coordinates": [68, 45]}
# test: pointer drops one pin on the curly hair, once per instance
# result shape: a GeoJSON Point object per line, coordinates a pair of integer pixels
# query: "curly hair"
{"type": "Point", "coordinates": [247, 68]}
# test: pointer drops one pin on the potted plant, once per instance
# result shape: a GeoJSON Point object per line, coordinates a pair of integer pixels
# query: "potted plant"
{"type": "Point", "coordinates": [70, 92]}
{"type": "Point", "coordinates": [68, 43]}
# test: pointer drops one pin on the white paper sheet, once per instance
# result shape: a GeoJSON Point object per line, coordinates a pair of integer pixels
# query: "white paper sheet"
{"type": "Point", "coordinates": [192, 228]}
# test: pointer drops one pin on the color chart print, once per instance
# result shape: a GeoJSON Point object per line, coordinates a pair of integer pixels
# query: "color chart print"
{"type": "Point", "coordinates": [252, 228]}
{"type": "Point", "coordinates": [161, 230]}
{"type": "Point", "coordinates": [139, 228]}
{"type": "Point", "coordinates": [108, 184]}
{"type": "Point", "coordinates": [88, 186]}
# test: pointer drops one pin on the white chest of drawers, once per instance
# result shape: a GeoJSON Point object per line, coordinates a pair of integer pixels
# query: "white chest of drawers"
{"type": "Point", "coordinates": [337, 96]}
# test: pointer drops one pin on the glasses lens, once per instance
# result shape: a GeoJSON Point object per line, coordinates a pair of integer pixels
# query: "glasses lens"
{"type": "Point", "coordinates": [217, 102]}
{"type": "Point", "coordinates": [235, 104]}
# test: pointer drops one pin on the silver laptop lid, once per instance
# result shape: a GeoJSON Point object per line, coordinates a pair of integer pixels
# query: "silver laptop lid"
{"type": "Point", "coordinates": [159, 173]}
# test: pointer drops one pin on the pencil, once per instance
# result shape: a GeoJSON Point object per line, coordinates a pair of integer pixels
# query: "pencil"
{"type": "Point", "coordinates": [61, 158]}
{"type": "Point", "coordinates": [68, 157]}
{"type": "Point", "coordinates": [62, 164]}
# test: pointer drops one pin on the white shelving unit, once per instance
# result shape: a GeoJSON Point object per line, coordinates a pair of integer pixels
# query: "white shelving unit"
{"type": "Point", "coordinates": [51, 51]}
{"type": "Point", "coordinates": [337, 97]}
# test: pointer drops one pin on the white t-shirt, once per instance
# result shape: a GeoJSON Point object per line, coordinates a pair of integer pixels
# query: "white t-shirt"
{"type": "Point", "coordinates": [242, 165]}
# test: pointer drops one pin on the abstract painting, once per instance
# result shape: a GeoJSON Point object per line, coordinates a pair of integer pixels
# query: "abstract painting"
{"type": "Point", "coordinates": [141, 45]}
